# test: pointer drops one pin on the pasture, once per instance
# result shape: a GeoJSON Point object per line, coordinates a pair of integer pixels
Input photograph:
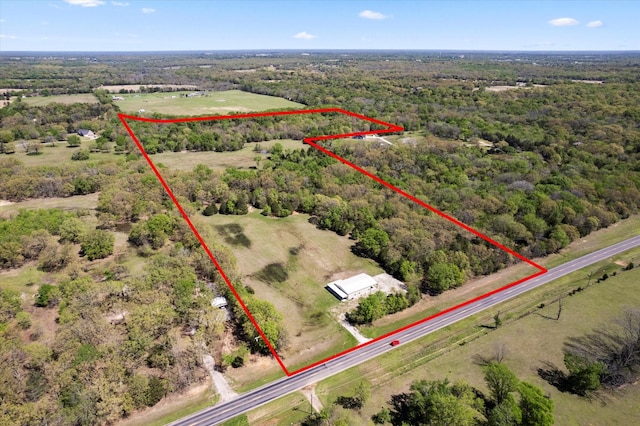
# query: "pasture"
{"type": "Point", "coordinates": [83, 98]}
{"type": "Point", "coordinates": [530, 340]}
{"type": "Point", "coordinates": [242, 159]}
{"type": "Point", "coordinates": [59, 154]}
{"type": "Point", "coordinates": [179, 103]}
{"type": "Point", "coordinates": [288, 261]}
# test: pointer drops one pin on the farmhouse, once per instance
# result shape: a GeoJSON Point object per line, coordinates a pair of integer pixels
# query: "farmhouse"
{"type": "Point", "coordinates": [87, 133]}
{"type": "Point", "coordinates": [354, 287]}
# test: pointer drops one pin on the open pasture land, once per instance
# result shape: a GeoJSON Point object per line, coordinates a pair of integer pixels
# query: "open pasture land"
{"type": "Point", "coordinates": [83, 98]}
{"type": "Point", "coordinates": [59, 155]}
{"type": "Point", "coordinates": [288, 261]}
{"type": "Point", "coordinates": [530, 338]}
{"type": "Point", "coordinates": [242, 159]}
{"type": "Point", "coordinates": [179, 103]}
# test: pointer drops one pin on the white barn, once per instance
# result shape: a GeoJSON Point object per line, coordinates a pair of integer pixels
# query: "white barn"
{"type": "Point", "coordinates": [353, 287]}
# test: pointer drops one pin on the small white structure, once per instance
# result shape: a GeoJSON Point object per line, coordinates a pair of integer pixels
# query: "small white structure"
{"type": "Point", "coordinates": [219, 302]}
{"type": "Point", "coordinates": [141, 111]}
{"type": "Point", "coordinates": [354, 287]}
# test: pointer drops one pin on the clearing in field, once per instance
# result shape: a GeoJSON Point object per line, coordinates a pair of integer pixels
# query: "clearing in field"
{"type": "Point", "coordinates": [288, 261]}
{"type": "Point", "coordinates": [244, 158]}
{"type": "Point", "coordinates": [83, 98]}
{"type": "Point", "coordinates": [200, 103]}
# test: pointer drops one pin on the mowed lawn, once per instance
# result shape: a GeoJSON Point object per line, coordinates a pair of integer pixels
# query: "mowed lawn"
{"type": "Point", "coordinates": [84, 98]}
{"type": "Point", "coordinates": [288, 261]}
{"type": "Point", "coordinates": [242, 159]}
{"type": "Point", "coordinates": [224, 102]}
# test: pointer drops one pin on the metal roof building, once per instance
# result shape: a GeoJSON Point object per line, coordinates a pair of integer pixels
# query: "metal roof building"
{"type": "Point", "coordinates": [353, 287]}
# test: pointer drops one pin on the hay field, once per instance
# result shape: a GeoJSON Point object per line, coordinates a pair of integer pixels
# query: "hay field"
{"type": "Point", "coordinates": [177, 103]}
{"type": "Point", "coordinates": [288, 261]}
{"type": "Point", "coordinates": [83, 98]}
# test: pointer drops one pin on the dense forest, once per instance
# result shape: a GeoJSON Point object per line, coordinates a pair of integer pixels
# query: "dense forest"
{"type": "Point", "coordinates": [535, 167]}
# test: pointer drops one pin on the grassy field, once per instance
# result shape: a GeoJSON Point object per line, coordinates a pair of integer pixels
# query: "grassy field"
{"type": "Point", "coordinates": [172, 408]}
{"type": "Point", "coordinates": [59, 154]}
{"type": "Point", "coordinates": [288, 261]}
{"type": "Point", "coordinates": [242, 159]}
{"type": "Point", "coordinates": [175, 103]}
{"type": "Point", "coordinates": [530, 339]}
{"type": "Point", "coordinates": [84, 98]}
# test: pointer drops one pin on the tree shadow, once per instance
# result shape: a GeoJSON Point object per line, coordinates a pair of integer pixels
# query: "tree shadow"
{"type": "Point", "coordinates": [557, 378]}
{"type": "Point", "coordinates": [273, 273]}
{"type": "Point", "coordinates": [233, 234]}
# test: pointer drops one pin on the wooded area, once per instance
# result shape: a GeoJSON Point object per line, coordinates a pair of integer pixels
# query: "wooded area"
{"type": "Point", "coordinates": [123, 313]}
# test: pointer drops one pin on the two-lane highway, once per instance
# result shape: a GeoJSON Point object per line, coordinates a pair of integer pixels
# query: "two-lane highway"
{"type": "Point", "coordinates": [252, 399]}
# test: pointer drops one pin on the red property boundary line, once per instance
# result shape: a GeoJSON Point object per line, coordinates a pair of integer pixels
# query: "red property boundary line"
{"type": "Point", "coordinates": [390, 128]}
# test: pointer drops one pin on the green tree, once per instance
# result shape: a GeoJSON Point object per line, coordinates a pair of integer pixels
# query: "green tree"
{"type": "Point", "coordinates": [441, 277]}
{"type": "Point", "coordinates": [72, 230]}
{"type": "Point", "coordinates": [48, 295]}
{"type": "Point", "coordinates": [506, 413]}
{"type": "Point", "coordinates": [436, 403]}
{"type": "Point", "coordinates": [183, 290]}
{"type": "Point", "coordinates": [500, 380]}
{"type": "Point", "coordinates": [372, 243]}
{"type": "Point", "coordinates": [97, 244]}
{"type": "Point", "coordinates": [584, 374]}
{"type": "Point", "coordinates": [381, 417]}
{"type": "Point", "coordinates": [210, 210]}
{"type": "Point", "coordinates": [73, 140]}
{"type": "Point", "coordinates": [537, 410]}
{"type": "Point", "coordinates": [10, 304]}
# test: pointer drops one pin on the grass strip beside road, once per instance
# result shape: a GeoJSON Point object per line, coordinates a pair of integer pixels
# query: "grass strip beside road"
{"type": "Point", "coordinates": [448, 352]}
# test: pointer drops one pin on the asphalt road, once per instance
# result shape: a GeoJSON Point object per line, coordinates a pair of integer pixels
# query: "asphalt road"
{"type": "Point", "coordinates": [219, 413]}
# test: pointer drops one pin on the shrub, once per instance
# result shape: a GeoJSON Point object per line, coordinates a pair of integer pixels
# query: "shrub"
{"type": "Point", "coordinates": [210, 210]}
{"type": "Point", "coordinates": [80, 155]}
{"type": "Point", "coordinates": [24, 320]}
{"type": "Point", "coordinates": [73, 140]}
{"type": "Point", "coordinates": [97, 244]}
{"type": "Point", "coordinates": [48, 296]}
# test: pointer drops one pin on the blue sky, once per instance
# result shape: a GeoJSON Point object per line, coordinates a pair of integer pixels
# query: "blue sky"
{"type": "Point", "coordinates": [132, 25]}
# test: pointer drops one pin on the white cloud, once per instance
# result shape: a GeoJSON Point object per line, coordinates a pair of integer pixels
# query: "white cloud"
{"type": "Point", "coordinates": [563, 22]}
{"type": "Point", "coordinates": [85, 3]}
{"type": "Point", "coordinates": [120, 3]}
{"type": "Point", "coordinates": [304, 36]}
{"type": "Point", "coordinates": [595, 24]}
{"type": "Point", "coordinates": [7, 36]}
{"type": "Point", "coordinates": [370, 14]}
{"type": "Point", "coordinates": [148, 10]}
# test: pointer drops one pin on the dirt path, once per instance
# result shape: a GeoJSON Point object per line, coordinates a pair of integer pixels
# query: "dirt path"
{"type": "Point", "coordinates": [351, 329]}
{"type": "Point", "coordinates": [309, 392]}
{"type": "Point", "coordinates": [219, 381]}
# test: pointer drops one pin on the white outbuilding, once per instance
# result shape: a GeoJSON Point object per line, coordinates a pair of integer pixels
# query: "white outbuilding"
{"type": "Point", "coordinates": [353, 287]}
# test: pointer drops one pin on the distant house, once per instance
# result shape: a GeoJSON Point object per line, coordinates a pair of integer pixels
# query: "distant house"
{"type": "Point", "coordinates": [141, 111]}
{"type": "Point", "coordinates": [358, 137]}
{"type": "Point", "coordinates": [86, 133]}
{"type": "Point", "coordinates": [117, 98]}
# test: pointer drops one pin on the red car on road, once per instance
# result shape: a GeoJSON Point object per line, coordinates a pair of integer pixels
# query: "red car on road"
{"type": "Point", "coordinates": [395, 343]}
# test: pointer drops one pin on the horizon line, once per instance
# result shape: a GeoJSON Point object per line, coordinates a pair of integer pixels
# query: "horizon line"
{"type": "Point", "coordinates": [275, 50]}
